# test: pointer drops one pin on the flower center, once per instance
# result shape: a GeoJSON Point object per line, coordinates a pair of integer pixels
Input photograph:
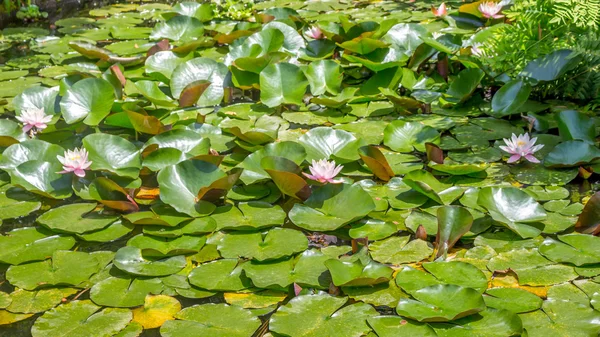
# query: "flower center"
{"type": "Point", "coordinates": [520, 143]}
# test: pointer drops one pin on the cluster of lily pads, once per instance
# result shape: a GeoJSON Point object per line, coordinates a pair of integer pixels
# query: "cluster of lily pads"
{"type": "Point", "coordinates": [321, 168]}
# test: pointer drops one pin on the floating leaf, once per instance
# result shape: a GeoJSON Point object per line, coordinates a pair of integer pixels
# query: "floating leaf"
{"type": "Point", "coordinates": [31, 244]}
{"type": "Point", "coordinates": [282, 83]}
{"type": "Point", "coordinates": [81, 317]}
{"type": "Point", "coordinates": [130, 260]}
{"type": "Point", "coordinates": [218, 320]}
{"type": "Point", "coordinates": [318, 315]}
{"type": "Point", "coordinates": [275, 244]}
{"type": "Point", "coordinates": [89, 100]}
{"type": "Point", "coordinates": [453, 223]}
{"type": "Point", "coordinates": [157, 310]}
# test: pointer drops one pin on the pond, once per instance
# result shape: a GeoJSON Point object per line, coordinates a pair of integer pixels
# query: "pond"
{"type": "Point", "coordinates": [301, 168]}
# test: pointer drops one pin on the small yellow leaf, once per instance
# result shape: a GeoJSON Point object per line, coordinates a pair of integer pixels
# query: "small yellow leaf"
{"type": "Point", "coordinates": [157, 310]}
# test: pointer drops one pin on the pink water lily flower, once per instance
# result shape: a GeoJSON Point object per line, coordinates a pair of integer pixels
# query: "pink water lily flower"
{"type": "Point", "coordinates": [315, 33]}
{"type": "Point", "coordinates": [521, 147]}
{"type": "Point", "coordinates": [491, 9]}
{"type": "Point", "coordinates": [34, 119]}
{"type": "Point", "coordinates": [75, 161]}
{"type": "Point", "coordinates": [324, 171]}
{"type": "Point", "coordinates": [440, 11]}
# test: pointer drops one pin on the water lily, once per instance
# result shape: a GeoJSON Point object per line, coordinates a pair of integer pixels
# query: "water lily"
{"type": "Point", "coordinates": [75, 161]}
{"type": "Point", "coordinates": [521, 147]}
{"type": "Point", "coordinates": [491, 9]}
{"type": "Point", "coordinates": [440, 11]}
{"type": "Point", "coordinates": [324, 171]}
{"type": "Point", "coordinates": [315, 33]}
{"type": "Point", "coordinates": [34, 119]}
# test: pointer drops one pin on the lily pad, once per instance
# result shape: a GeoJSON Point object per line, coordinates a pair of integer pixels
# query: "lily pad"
{"type": "Point", "coordinates": [441, 303]}
{"type": "Point", "coordinates": [219, 320]}
{"type": "Point", "coordinates": [318, 315]}
{"type": "Point", "coordinates": [274, 244]}
{"type": "Point", "coordinates": [76, 218]}
{"type": "Point", "coordinates": [130, 260]}
{"type": "Point", "coordinates": [31, 244]}
{"type": "Point", "coordinates": [91, 320]}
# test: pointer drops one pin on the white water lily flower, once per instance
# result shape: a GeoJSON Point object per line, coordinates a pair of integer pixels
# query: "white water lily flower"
{"type": "Point", "coordinates": [315, 33]}
{"type": "Point", "coordinates": [75, 161]}
{"type": "Point", "coordinates": [440, 11]}
{"type": "Point", "coordinates": [490, 9]}
{"type": "Point", "coordinates": [34, 119]}
{"type": "Point", "coordinates": [324, 171]}
{"type": "Point", "coordinates": [521, 147]}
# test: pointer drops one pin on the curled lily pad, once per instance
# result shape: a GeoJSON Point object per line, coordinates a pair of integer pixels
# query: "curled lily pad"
{"type": "Point", "coordinates": [286, 175]}
{"type": "Point", "coordinates": [321, 315]}
{"type": "Point", "coordinates": [200, 69]}
{"type": "Point", "coordinates": [84, 317]}
{"type": "Point", "coordinates": [181, 188]}
{"type": "Point", "coordinates": [391, 326]}
{"type": "Point", "coordinates": [453, 222]}
{"type": "Point", "coordinates": [253, 171]}
{"type": "Point", "coordinates": [589, 220]}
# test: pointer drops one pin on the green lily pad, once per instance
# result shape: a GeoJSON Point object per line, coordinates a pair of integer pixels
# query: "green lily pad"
{"type": "Point", "coordinates": [162, 246]}
{"type": "Point", "coordinates": [572, 153]}
{"type": "Point", "coordinates": [490, 322]}
{"type": "Point", "coordinates": [307, 269]}
{"type": "Point", "coordinates": [15, 202]}
{"type": "Point", "coordinates": [441, 303]}
{"type": "Point", "coordinates": [577, 249]}
{"type": "Point", "coordinates": [328, 143]}
{"type": "Point", "coordinates": [180, 186]}
{"type": "Point", "coordinates": [513, 208]}
{"type": "Point", "coordinates": [65, 268]}
{"type": "Point", "coordinates": [358, 270]}
{"type": "Point", "coordinates": [253, 171]}
{"type": "Point", "coordinates": [399, 250]}
{"type": "Point", "coordinates": [274, 244]}
{"type": "Point", "coordinates": [512, 299]}
{"type": "Point", "coordinates": [113, 154]}
{"type": "Point", "coordinates": [31, 244]}
{"type": "Point", "coordinates": [83, 318]}
{"type": "Point", "coordinates": [130, 260]}
{"type": "Point", "coordinates": [124, 292]}
{"type": "Point", "coordinates": [404, 136]}
{"type": "Point", "coordinates": [532, 268]}
{"type": "Point", "coordinates": [198, 69]}
{"type": "Point", "coordinates": [180, 28]}
{"type": "Point", "coordinates": [318, 315]}
{"type": "Point", "coordinates": [451, 272]}
{"type": "Point", "coordinates": [76, 218]}
{"type": "Point", "coordinates": [218, 320]}
{"type": "Point", "coordinates": [393, 326]}
{"type": "Point", "coordinates": [221, 275]}
{"type": "Point", "coordinates": [89, 100]}
{"type": "Point", "coordinates": [248, 216]}
{"type": "Point", "coordinates": [32, 302]}
{"type": "Point", "coordinates": [282, 83]}
{"type": "Point", "coordinates": [327, 210]}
